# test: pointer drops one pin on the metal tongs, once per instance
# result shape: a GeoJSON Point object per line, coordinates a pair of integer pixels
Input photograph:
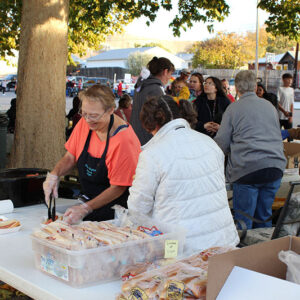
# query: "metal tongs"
{"type": "Point", "coordinates": [52, 211]}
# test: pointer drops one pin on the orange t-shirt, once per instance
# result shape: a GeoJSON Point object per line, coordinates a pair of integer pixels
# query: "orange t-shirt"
{"type": "Point", "coordinates": [122, 154]}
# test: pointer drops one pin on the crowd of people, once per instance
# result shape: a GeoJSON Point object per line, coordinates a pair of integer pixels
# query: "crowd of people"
{"type": "Point", "coordinates": [168, 152]}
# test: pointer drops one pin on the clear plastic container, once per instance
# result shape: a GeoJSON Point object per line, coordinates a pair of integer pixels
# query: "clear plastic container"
{"type": "Point", "coordinates": [98, 265]}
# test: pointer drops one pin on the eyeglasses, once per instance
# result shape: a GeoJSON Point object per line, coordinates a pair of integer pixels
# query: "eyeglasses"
{"type": "Point", "coordinates": [92, 117]}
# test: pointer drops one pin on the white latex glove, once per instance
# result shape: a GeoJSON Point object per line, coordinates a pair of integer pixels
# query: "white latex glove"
{"type": "Point", "coordinates": [50, 185]}
{"type": "Point", "coordinates": [76, 213]}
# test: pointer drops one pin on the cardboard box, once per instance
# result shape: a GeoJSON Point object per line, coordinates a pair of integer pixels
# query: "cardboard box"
{"type": "Point", "coordinates": [248, 285]}
{"type": "Point", "coordinates": [262, 258]}
{"type": "Point", "coordinates": [292, 154]}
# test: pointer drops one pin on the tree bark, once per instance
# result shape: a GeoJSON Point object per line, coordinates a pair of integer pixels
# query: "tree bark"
{"type": "Point", "coordinates": [41, 100]}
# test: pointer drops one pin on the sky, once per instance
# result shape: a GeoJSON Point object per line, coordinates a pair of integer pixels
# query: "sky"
{"type": "Point", "coordinates": [242, 18]}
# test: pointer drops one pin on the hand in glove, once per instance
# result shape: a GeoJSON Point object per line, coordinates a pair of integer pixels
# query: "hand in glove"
{"type": "Point", "coordinates": [76, 213]}
{"type": "Point", "coordinates": [50, 185]}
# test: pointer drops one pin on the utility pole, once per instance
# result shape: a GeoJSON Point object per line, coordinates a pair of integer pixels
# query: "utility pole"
{"type": "Point", "coordinates": [296, 66]}
{"type": "Point", "coordinates": [257, 40]}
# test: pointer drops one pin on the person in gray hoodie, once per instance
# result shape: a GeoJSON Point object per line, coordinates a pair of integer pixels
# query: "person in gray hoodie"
{"type": "Point", "coordinates": [150, 83]}
{"type": "Point", "coordinates": [250, 134]}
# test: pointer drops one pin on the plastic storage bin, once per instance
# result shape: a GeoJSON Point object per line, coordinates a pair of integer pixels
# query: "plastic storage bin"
{"type": "Point", "coordinates": [92, 266]}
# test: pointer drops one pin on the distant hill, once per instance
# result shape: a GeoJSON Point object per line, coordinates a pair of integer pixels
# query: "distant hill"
{"type": "Point", "coordinates": [125, 40]}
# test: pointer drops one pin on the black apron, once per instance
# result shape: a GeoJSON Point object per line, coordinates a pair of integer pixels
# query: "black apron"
{"type": "Point", "coordinates": [94, 180]}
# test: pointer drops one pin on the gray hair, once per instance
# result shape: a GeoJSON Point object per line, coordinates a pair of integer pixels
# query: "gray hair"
{"type": "Point", "coordinates": [245, 81]}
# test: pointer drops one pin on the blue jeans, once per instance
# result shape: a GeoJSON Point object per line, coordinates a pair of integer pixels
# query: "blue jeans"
{"type": "Point", "coordinates": [255, 200]}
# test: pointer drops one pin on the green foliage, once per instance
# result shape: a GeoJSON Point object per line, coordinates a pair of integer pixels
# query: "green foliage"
{"type": "Point", "coordinates": [199, 11]}
{"type": "Point", "coordinates": [279, 44]}
{"type": "Point", "coordinates": [10, 19]}
{"type": "Point", "coordinates": [284, 17]}
{"type": "Point", "coordinates": [136, 61]}
{"type": "Point", "coordinates": [231, 50]}
{"type": "Point", "coordinates": [90, 21]}
{"type": "Point", "coordinates": [249, 43]}
{"type": "Point", "coordinates": [225, 51]}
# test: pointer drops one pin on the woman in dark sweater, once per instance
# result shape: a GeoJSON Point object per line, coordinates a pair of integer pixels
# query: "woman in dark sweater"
{"type": "Point", "coordinates": [210, 106]}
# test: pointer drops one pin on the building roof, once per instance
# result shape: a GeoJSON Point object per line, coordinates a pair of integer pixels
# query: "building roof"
{"type": "Point", "coordinates": [292, 53]}
{"type": "Point", "coordinates": [262, 60]}
{"type": "Point", "coordinates": [185, 56]}
{"type": "Point", "coordinates": [117, 53]}
{"type": "Point", "coordinates": [278, 57]}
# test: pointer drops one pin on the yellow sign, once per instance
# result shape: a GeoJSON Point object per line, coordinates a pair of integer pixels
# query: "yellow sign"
{"type": "Point", "coordinates": [171, 248]}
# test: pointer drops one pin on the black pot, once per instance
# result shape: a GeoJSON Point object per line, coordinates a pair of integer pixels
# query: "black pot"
{"type": "Point", "coordinates": [23, 186]}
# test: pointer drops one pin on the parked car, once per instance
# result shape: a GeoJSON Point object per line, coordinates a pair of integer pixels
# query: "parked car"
{"type": "Point", "coordinates": [94, 80]}
{"type": "Point", "coordinates": [11, 81]}
{"type": "Point", "coordinates": [11, 77]}
{"type": "Point", "coordinates": [11, 85]}
{"type": "Point", "coordinates": [76, 78]}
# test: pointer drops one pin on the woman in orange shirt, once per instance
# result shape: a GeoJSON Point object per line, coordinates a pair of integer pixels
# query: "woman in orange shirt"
{"type": "Point", "coordinates": [105, 149]}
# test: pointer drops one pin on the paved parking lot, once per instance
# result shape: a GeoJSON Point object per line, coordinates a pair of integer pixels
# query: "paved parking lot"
{"type": "Point", "coordinates": [5, 101]}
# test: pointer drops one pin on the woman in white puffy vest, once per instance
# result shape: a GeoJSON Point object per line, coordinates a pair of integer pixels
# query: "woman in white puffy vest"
{"type": "Point", "coordinates": [180, 176]}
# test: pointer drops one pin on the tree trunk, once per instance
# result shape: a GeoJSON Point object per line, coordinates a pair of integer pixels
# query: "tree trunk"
{"type": "Point", "coordinates": [41, 100]}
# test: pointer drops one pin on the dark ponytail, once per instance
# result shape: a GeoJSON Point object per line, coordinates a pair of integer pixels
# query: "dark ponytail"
{"type": "Point", "coordinates": [157, 111]}
{"type": "Point", "coordinates": [157, 65]}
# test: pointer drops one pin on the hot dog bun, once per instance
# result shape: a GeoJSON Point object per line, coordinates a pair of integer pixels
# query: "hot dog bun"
{"type": "Point", "coordinates": [9, 224]}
